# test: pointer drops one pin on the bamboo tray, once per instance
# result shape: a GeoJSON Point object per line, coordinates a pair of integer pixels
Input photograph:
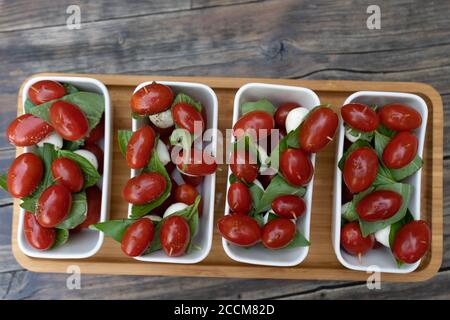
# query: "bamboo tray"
{"type": "Point", "coordinates": [321, 262]}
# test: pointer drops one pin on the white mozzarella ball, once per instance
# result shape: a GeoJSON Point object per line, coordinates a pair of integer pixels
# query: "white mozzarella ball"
{"type": "Point", "coordinates": [295, 117]}
{"type": "Point", "coordinates": [163, 152]}
{"type": "Point", "coordinates": [53, 138]}
{"type": "Point", "coordinates": [178, 206]}
{"type": "Point", "coordinates": [382, 236]}
{"type": "Point", "coordinates": [351, 137]}
{"type": "Point", "coordinates": [163, 119]}
{"type": "Point", "coordinates": [89, 156]}
{"type": "Point", "coordinates": [153, 218]}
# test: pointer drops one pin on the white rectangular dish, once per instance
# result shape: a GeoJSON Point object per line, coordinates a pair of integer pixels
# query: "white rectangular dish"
{"type": "Point", "coordinates": [277, 94]}
{"type": "Point", "coordinates": [381, 258]}
{"type": "Point", "coordinates": [203, 239]}
{"type": "Point", "coordinates": [87, 242]}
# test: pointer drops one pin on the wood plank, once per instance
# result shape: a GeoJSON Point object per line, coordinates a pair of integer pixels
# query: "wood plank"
{"type": "Point", "coordinates": [197, 4]}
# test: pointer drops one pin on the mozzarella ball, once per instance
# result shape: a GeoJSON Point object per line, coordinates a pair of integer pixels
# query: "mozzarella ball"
{"type": "Point", "coordinates": [89, 156]}
{"type": "Point", "coordinates": [351, 137]}
{"type": "Point", "coordinates": [163, 152]}
{"type": "Point", "coordinates": [53, 138]}
{"type": "Point", "coordinates": [178, 206]}
{"type": "Point", "coordinates": [295, 117]}
{"type": "Point", "coordinates": [163, 119]}
{"type": "Point", "coordinates": [382, 236]}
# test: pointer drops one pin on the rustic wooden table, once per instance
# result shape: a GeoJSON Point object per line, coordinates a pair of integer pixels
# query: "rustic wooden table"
{"type": "Point", "coordinates": [281, 39]}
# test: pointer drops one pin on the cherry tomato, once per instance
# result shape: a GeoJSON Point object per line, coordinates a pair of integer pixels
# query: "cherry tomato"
{"type": "Point", "coordinates": [379, 205]}
{"type": "Point", "coordinates": [53, 205]}
{"type": "Point", "coordinates": [400, 117]}
{"type": "Point", "coordinates": [68, 120]}
{"type": "Point", "coordinates": [192, 180]}
{"type": "Point", "coordinates": [282, 112]}
{"type": "Point", "coordinates": [278, 233]}
{"type": "Point", "coordinates": [199, 163]}
{"type": "Point", "coordinates": [401, 150]}
{"type": "Point", "coordinates": [94, 206]}
{"type": "Point", "coordinates": [353, 241]}
{"type": "Point", "coordinates": [68, 173]}
{"type": "Point", "coordinates": [27, 130]}
{"type": "Point", "coordinates": [360, 117]}
{"type": "Point", "coordinates": [138, 237]}
{"type": "Point", "coordinates": [318, 129]}
{"type": "Point", "coordinates": [37, 236]}
{"type": "Point", "coordinates": [187, 194]}
{"type": "Point", "coordinates": [257, 124]}
{"type": "Point", "coordinates": [240, 230]}
{"type": "Point", "coordinates": [140, 147]}
{"type": "Point", "coordinates": [296, 167]}
{"type": "Point", "coordinates": [98, 132]}
{"type": "Point", "coordinates": [360, 169]}
{"type": "Point", "coordinates": [175, 236]}
{"type": "Point", "coordinates": [45, 90]}
{"type": "Point", "coordinates": [144, 188]}
{"type": "Point", "coordinates": [187, 117]}
{"type": "Point", "coordinates": [24, 175]}
{"type": "Point", "coordinates": [98, 153]}
{"type": "Point", "coordinates": [289, 206]}
{"type": "Point", "coordinates": [239, 198]}
{"type": "Point", "coordinates": [412, 241]}
{"type": "Point", "coordinates": [244, 165]}
{"type": "Point", "coordinates": [151, 99]}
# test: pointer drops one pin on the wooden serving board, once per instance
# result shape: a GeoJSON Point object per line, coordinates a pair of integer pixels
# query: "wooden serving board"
{"type": "Point", "coordinates": [321, 262]}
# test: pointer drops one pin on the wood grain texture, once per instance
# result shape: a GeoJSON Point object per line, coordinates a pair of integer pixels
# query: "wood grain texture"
{"type": "Point", "coordinates": [284, 39]}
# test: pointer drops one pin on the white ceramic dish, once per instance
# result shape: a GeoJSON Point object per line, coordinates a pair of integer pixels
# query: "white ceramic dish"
{"type": "Point", "coordinates": [87, 242]}
{"type": "Point", "coordinates": [257, 254]}
{"type": "Point", "coordinates": [203, 239]}
{"type": "Point", "coordinates": [380, 258]}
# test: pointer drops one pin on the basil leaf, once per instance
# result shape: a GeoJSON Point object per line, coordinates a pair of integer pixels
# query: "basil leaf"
{"type": "Point", "coordinates": [289, 141]}
{"type": "Point", "coordinates": [385, 131]}
{"type": "Point", "coordinates": [28, 105]}
{"type": "Point", "coordinates": [155, 165]}
{"type": "Point", "coordinates": [396, 226]}
{"type": "Point", "coordinates": [349, 212]}
{"type": "Point", "coordinates": [246, 144]}
{"type": "Point", "coordinates": [113, 228]}
{"type": "Point", "coordinates": [259, 217]}
{"type": "Point", "coordinates": [181, 137]}
{"type": "Point", "coordinates": [277, 187]}
{"type": "Point", "coordinates": [62, 235]}
{"type": "Point", "coordinates": [123, 138]}
{"type": "Point", "coordinates": [232, 178]}
{"type": "Point", "coordinates": [3, 183]}
{"type": "Point", "coordinates": [92, 105]}
{"type": "Point", "coordinates": [366, 136]}
{"type": "Point", "coordinates": [357, 144]}
{"type": "Point", "coordinates": [184, 98]}
{"type": "Point", "coordinates": [91, 175]}
{"type": "Point", "coordinates": [298, 241]}
{"type": "Point", "coordinates": [78, 212]}
{"type": "Point", "coordinates": [401, 188]}
{"type": "Point", "coordinates": [260, 105]}
{"type": "Point", "coordinates": [384, 175]}
{"type": "Point", "coordinates": [70, 88]}
{"type": "Point", "coordinates": [73, 145]}
{"type": "Point", "coordinates": [256, 193]}
{"type": "Point", "coordinates": [408, 170]}
{"type": "Point", "coordinates": [380, 143]}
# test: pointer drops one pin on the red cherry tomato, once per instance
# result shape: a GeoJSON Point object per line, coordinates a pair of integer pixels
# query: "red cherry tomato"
{"type": "Point", "coordinates": [360, 169]}
{"type": "Point", "coordinates": [257, 124]}
{"type": "Point", "coordinates": [239, 198]}
{"type": "Point", "coordinates": [278, 233]}
{"type": "Point", "coordinates": [68, 120]}
{"type": "Point", "coordinates": [289, 206]}
{"type": "Point", "coordinates": [151, 99]}
{"type": "Point", "coordinates": [318, 129]}
{"type": "Point", "coordinates": [187, 194]}
{"type": "Point", "coordinates": [53, 205]}
{"type": "Point", "coordinates": [98, 153]}
{"type": "Point", "coordinates": [379, 205]}
{"type": "Point", "coordinates": [199, 163]}
{"type": "Point", "coordinates": [187, 117]}
{"type": "Point", "coordinates": [240, 230]}
{"type": "Point", "coordinates": [296, 167]}
{"type": "Point", "coordinates": [37, 236]}
{"type": "Point", "coordinates": [68, 173]}
{"type": "Point", "coordinates": [98, 132]}
{"type": "Point", "coordinates": [244, 165]}
{"type": "Point", "coordinates": [282, 112]}
{"type": "Point", "coordinates": [144, 188]}
{"type": "Point", "coordinates": [138, 237]}
{"type": "Point", "coordinates": [24, 175]}
{"type": "Point", "coordinates": [401, 150]}
{"type": "Point", "coordinates": [175, 236]}
{"type": "Point", "coordinates": [360, 117]}
{"type": "Point", "coordinates": [94, 206]}
{"type": "Point", "coordinates": [412, 241]}
{"type": "Point", "coordinates": [192, 180]}
{"type": "Point", "coordinates": [27, 130]}
{"type": "Point", "coordinates": [140, 147]}
{"type": "Point", "coordinates": [45, 90]}
{"type": "Point", "coordinates": [353, 241]}
{"type": "Point", "coordinates": [400, 117]}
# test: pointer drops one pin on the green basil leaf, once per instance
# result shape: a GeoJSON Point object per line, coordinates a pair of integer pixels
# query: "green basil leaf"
{"type": "Point", "coordinates": [259, 217]}
{"type": "Point", "coordinates": [73, 145]}
{"type": "Point", "coordinates": [349, 212]}
{"type": "Point", "coordinates": [385, 131]}
{"type": "Point", "coordinates": [298, 241]}
{"type": "Point", "coordinates": [232, 178]}
{"type": "Point", "coordinates": [70, 88]}
{"type": "Point", "coordinates": [92, 105]}
{"type": "Point", "coordinates": [123, 138]}
{"type": "Point", "coordinates": [184, 98]}
{"type": "Point", "coordinates": [357, 144]}
{"type": "Point", "coordinates": [289, 141]}
{"type": "Point", "coordinates": [3, 183]}
{"type": "Point", "coordinates": [396, 226]}
{"type": "Point", "coordinates": [277, 187]}
{"type": "Point", "coordinates": [384, 175]}
{"type": "Point", "coordinates": [256, 193]}
{"type": "Point", "coordinates": [366, 136]}
{"type": "Point", "coordinates": [28, 105]}
{"type": "Point", "coordinates": [246, 144]}
{"type": "Point", "coordinates": [260, 105]}
{"type": "Point", "coordinates": [181, 137]}
{"type": "Point", "coordinates": [113, 228]}
{"type": "Point", "coordinates": [78, 212]}
{"type": "Point", "coordinates": [408, 170]}
{"type": "Point", "coordinates": [62, 235]}
{"type": "Point", "coordinates": [91, 175]}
